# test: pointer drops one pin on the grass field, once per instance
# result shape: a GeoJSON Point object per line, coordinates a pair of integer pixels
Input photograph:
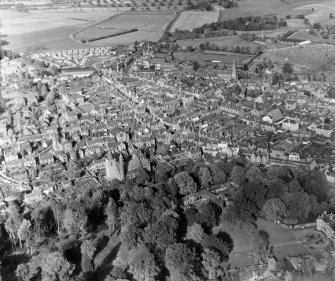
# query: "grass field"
{"type": "Point", "coordinates": [191, 19]}
{"type": "Point", "coordinates": [279, 8]}
{"type": "Point", "coordinates": [321, 10]}
{"type": "Point", "coordinates": [312, 57]}
{"type": "Point", "coordinates": [230, 41]}
{"type": "Point", "coordinates": [304, 35]}
{"type": "Point", "coordinates": [284, 241]}
{"type": "Point", "coordinates": [224, 57]}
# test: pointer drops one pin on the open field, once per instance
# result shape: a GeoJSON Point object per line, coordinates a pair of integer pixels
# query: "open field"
{"type": "Point", "coordinates": [321, 10]}
{"type": "Point", "coordinates": [150, 26]}
{"type": "Point", "coordinates": [230, 41]}
{"type": "Point", "coordinates": [223, 57]}
{"type": "Point", "coordinates": [191, 19]}
{"type": "Point", "coordinates": [284, 241]}
{"type": "Point", "coordinates": [278, 8]}
{"type": "Point", "coordinates": [14, 23]}
{"type": "Point", "coordinates": [312, 57]}
{"type": "Point", "coordinates": [304, 35]}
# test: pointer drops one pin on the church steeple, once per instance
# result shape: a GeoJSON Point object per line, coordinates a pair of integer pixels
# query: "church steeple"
{"type": "Point", "coordinates": [234, 73]}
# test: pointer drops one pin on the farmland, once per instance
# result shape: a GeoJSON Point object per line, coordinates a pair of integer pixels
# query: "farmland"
{"type": "Point", "coordinates": [48, 27]}
{"type": "Point", "coordinates": [13, 23]}
{"type": "Point", "coordinates": [191, 19]}
{"type": "Point", "coordinates": [150, 26]}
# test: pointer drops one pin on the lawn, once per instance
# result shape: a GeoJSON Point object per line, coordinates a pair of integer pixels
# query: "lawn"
{"type": "Point", "coordinates": [191, 19]}
{"type": "Point", "coordinates": [284, 241]}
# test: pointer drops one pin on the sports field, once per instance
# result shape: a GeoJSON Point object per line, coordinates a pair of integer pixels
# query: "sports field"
{"type": "Point", "coordinates": [230, 41]}
{"type": "Point", "coordinates": [191, 19]}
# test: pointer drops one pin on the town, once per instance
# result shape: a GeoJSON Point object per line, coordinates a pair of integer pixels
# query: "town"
{"type": "Point", "coordinates": [171, 159]}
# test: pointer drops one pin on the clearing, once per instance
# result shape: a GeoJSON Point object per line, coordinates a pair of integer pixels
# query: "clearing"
{"type": "Point", "coordinates": [191, 19]}
{"type": "Point", "coordinates": [284, 241]}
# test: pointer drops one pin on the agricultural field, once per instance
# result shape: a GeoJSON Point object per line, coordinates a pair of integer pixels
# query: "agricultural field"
{"type": "Point", "coordinates": [49, 27]}
{"type": "Point", "coordinates": [308, 57]}
{"type": "Point", "coordinates": [150, 25]}
{"type": "Point", "coordinates": [230, 41]}
{"type": "Point", "coordinates": [191, 19]}
{"type": "Point", "coordinates": [13, 23]}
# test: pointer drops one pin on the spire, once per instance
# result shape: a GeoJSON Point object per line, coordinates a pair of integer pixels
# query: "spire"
{"type": "Point", "coordinates": [121, 167]}
{"type": "Point", "coordinates": [234, 73]}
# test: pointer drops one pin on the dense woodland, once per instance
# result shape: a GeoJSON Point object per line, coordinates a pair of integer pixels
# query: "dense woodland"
{"type": "Point", "coordinates": [145, 227]}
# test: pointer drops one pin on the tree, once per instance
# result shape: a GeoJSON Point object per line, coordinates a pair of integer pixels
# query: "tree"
{"type": "Point", "coordinates": [209, 214]}
{"type": "Point", "coordinates": [22, 272]}
{"type": "Point", "coordinates": [143, 265]}
{"type": "Point", "coordinates": [88, 248]}
{"type": "Point", "coordinates": [185, 183]}
{"type": "Point", "coordinates": [206, 178]}
{"type": "Point", "coordinates": [287, 68]}
{"type": "Point", "coordinates": [162, 233]}
{"type": "Point", "coordinates": [218, 175]}
{"type": "Point", "coordinates": [213, 264]}
{"type": "Point", "coordinates": [196, 233]}
{"type": "Point", "coordinates": [111, 211]}
{"type": "Point", "coordinates": [182, 262]}
{"type": "Point", "coordinates": [262, 249]}
{"type": "Point", "coordinates": [238, 175]}
{"type": "Point", "coordinates": [274, 209]}
{"type": "Point", "coordinates": [195, 65]}
{"type": "Point", "coordinates": [55, 267]}
{"type": "Point", "coordinates": [24, 231]}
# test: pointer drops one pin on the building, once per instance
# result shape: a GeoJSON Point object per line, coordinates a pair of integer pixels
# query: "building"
{"type": "Point", "coordinates": [72, 72]}
{"type": "Point", "coordinates": [114, 170]}
{"type": "Point", "coordinates": [326, 223]}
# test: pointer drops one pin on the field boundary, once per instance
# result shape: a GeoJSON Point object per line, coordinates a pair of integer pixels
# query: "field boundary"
{"type": "Point", "coordinates": [74, 35]}
{"type": "Point", "coordinates": [112, 35]}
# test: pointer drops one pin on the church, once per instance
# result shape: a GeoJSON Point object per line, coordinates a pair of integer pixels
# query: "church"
{"type": "Point", "coordinates": [122, 169]}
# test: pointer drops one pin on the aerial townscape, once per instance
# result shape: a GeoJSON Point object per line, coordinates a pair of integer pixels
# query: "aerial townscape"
{"type": "Point", "coordinates": [179, 140]}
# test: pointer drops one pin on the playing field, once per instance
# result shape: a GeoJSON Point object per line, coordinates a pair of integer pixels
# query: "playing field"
{"type": "Point", "coordinates": [191, 19]}
{"type": "Point", "coordinates": [230, 41]}
{"type": "Point", "coordinates": [284, 241]}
